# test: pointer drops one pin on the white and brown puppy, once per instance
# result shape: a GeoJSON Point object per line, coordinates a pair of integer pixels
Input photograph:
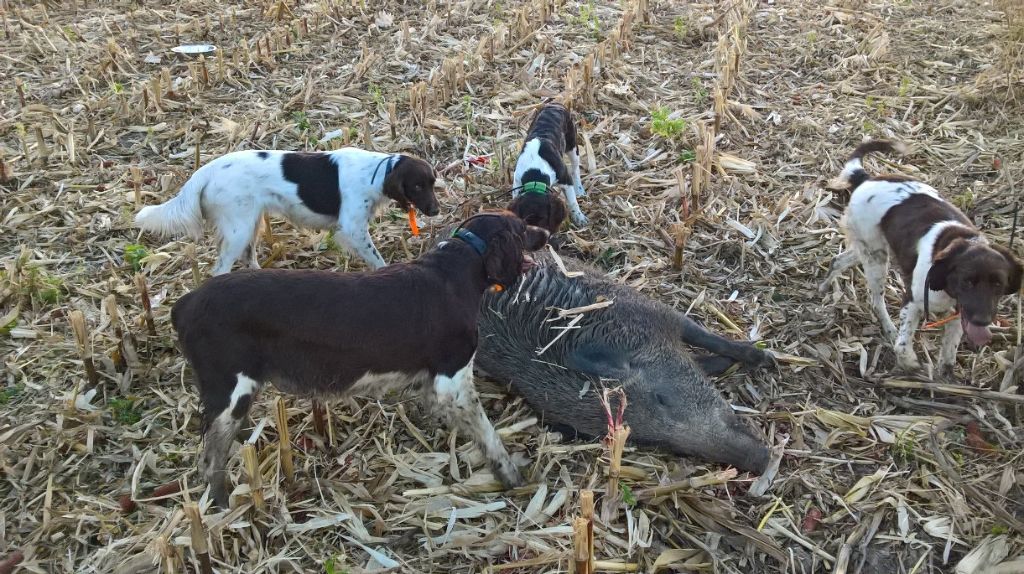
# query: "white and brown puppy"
{"type": "Point", "coordinates": [341, 189]}
{"type": "Point", "coordinates": [540, 167]}
{"type": "Point", "coordinates": [945, 261]}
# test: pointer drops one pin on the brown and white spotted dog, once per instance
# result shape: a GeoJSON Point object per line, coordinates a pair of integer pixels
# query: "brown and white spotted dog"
{"type": "Point", "coordinates": [316, 333]}
{"type": "Point", "coordinates": [540, 168]}
{"type": "Point", "coordinates": [340, 189]}
{"type": "Point", "coordinates": [946, 262]}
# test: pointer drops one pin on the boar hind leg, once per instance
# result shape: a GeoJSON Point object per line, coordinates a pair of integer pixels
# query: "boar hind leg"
{"type": "Point", "coordinates": [698, 336]}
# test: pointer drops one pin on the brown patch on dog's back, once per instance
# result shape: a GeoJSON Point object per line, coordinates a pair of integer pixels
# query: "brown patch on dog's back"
{"type": "Point", "coordinates": [904, 225]}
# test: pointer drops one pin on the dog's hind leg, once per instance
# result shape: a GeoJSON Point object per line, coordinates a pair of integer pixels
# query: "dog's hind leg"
{"type": "Point", "coordinates": [876, 268]}
{"type": "Point", "coordinates": [254, 262]}
{"type": "Point", "coordinates": [840, 263]}
{"type": "Point", "coordinates": [235, 237]}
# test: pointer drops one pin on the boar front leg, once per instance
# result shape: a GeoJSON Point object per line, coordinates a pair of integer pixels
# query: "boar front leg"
{"type": "Point", "coordinates": [694, 334]}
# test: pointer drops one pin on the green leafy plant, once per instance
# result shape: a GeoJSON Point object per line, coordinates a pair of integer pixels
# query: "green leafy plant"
{"type": "Point", "coordinates": [8, 394]}
{"type": "Point", "coordinates": [124, 411]}
{"type": "Point", "coordinates": [376, 94]}
{"type": "Point", "coordinates": [301, 121]}
{"type": "Point", "coordinates": [681, 27]}
{"type": "Point", "coordinates": [687, 156]}
{"type": "Point", "coordinates": [52, 290]}
{"type": "Point", "coordinates": [117, 87]}
{"type": "Point", "coordinates": [700, 93]}
{"type": "Point", "coordinates": [904, 86]}
{"type": "Point", "coordinates": [627, 494]}
{"type": "Point", "coordinates": [588, 17]}
{"type": "Point", "coordinates": [335, 566]}
{"type": "Point", "coordinates": [331, 242]}
{"type": "Point", "coordinates": [43, 288]}
{"type": "Point", "coordinates": [665, 127]}
{"type": "Point", "coordinates": [134, 254]}
{"type": "Point", "coordinates": [965, 200]}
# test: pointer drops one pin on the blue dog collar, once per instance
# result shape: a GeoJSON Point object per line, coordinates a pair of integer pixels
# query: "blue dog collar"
{"type": "Point", "coordinates": [472, 239]}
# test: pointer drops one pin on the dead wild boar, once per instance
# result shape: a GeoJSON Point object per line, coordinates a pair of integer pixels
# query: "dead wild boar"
{"type": "Point", "coordinates": [636, 342]}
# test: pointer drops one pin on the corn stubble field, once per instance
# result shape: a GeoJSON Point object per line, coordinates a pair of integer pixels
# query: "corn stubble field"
{"type": "Point", "coordinates": [711, 131]}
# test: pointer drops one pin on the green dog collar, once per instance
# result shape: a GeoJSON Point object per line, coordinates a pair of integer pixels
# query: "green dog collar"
{"type": "Point", "coordinates": [537, 187]}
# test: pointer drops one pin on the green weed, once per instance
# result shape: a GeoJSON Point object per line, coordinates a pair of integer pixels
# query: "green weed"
{"type": "Point", "coordinates": [700, 93]}
{"type": "Point", "coordinates": [627, 494]}
{"type": "Point", "coordinates": [124, 411]}
{"type": "Point", "coordinates": [965, 200]}
{"type": "Point", "coordinates": [301, 121]}
{"type": "Point", "coordinates": [335, 566]}
{"type": "Point", "coordinates": [376, 95]}
{"type": "Point", "coordinates": [588, 17]}
{"type": "Point", "coordinates": [904, 86]}
{"type": "Point", "coordinates": [681, 27]}
{"type": "Point", "coordinates": [8, 394]}
{"type": "Point", "coordinates": [133, 256]}
{"type": "Point", "coordinates": [665, 127]}
{"type": "Point", "coordinates": [687, 156]}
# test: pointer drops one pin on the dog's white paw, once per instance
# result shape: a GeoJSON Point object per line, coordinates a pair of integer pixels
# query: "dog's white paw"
{"type": "Point", "coordinates": [580, 220]}
{"type": "Point", "coordinates": [908, 363]}
{"type": "Point", "coordinates": [580, 192]}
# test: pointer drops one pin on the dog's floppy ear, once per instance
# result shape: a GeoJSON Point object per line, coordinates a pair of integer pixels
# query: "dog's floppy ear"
{"type": "Point", "coordinates": [557, 213]}
{"type": "Point", "coordinates": [1015, 268]}
{"type": "Point", "coordinates": [942, 264]}
{"type": "Point", "coordinates": [503, 260]}
{"type": "Point", "coordinates": [535, 237]}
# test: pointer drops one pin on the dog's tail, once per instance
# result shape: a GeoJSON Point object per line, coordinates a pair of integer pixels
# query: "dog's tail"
{"type": "Point", "coordinates": [183, 214]}
{"type": "Point", "coordinates": [853, 173]}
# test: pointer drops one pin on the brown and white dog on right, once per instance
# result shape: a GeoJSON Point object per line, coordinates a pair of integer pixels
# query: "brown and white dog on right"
{"type": "Point", "coordinates": [945, 261]}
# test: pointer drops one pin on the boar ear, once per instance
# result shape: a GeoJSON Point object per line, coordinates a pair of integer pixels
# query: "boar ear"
{"type": "Point", "coordinates": [599, 361]}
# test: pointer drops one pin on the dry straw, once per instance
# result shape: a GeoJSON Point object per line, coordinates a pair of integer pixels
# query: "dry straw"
{"type": "Point", "coordinates": [726, 219]}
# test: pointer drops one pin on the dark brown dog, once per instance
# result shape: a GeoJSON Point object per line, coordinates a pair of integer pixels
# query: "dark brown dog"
{"type": "Point", "coordinates": [315, 333]}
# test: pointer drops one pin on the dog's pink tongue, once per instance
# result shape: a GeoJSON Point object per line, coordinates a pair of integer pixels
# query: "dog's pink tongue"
{"type": "Point", "coordinates": [978, 335]}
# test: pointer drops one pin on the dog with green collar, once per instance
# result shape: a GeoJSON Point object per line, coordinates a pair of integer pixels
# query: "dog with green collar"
{"type": "Point", "coordinates": [540, 167]}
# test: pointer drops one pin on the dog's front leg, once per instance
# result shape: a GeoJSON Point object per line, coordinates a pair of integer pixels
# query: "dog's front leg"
{"type": "Point", "coordinates": [950, 343]}
{"type": "Point", "coordinates": [910, 317]}
{"type": "Point", "coordinates": [454, 399]}
{"type": "Point", "coordinates": [357, 240]}
{"type": "Point", "coordinates": [575, 213]}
